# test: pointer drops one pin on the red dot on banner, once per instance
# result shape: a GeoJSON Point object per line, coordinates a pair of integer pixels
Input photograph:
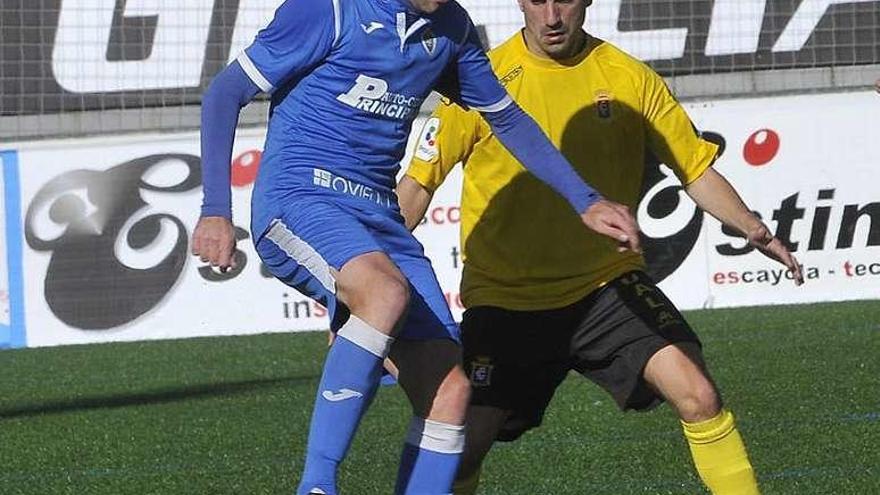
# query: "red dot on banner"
{"type": "Point", "coordinates": [761, 147]}
{"type": "Point", "coordinates": [245, 167]}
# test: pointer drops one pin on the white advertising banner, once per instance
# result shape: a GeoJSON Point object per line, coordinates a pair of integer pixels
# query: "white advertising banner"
{"type": "Point", "coordinates": [808, 166]}
{"type": "Point", "coordinates": [106, 225]}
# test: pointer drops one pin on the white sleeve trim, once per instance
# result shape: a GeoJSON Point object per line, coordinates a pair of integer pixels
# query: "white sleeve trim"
{"type": "Point", "coordinates": [252, 72]}
{"type": "Point", "coordinates": [337, 21]}
{"type": "Point", "coordinates": [495, 107]}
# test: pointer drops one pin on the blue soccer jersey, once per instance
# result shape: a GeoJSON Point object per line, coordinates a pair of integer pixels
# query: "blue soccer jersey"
{"type": "Point", "coordinates": [347, 78]}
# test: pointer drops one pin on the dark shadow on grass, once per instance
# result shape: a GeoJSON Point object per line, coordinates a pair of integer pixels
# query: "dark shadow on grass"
{"type": "Point", "coordinates": [150, 397]}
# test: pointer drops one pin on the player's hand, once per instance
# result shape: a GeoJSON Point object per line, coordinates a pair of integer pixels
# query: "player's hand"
{"type": "Point", "coordinates": [213, 241]}
{"type": "Point", "coordinates": [614, 220]}
{"type": "Point", "coordinates": [761, 238]}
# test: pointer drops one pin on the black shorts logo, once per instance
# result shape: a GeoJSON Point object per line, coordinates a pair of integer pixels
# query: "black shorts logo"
{"type": "Point", "coordinates": [647, 294]}
{"type": "Point", "coordinates": [481, 373]}
{"type": "Point", "coordinates": [666, 318]}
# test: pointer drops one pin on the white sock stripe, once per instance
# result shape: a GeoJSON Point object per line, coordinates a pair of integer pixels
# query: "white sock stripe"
{"type": "Point", "coordinates": [435, 436]}
{"type": "Point", "coordinates": [363, 335]}
{"type": "Point", "coordinates": [302, 253]}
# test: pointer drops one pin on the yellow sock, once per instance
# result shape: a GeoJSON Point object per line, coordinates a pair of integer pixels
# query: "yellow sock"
{"type": "Point", "coordinates": [467, 486]}
{"type": "Point", "coordinates": [720, 455]}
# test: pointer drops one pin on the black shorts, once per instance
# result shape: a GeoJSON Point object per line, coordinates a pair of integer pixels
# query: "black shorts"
{"type": "Point", "coordinates": [516, 359]}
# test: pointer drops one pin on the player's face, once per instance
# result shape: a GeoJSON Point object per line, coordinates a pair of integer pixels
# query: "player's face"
{"type": "Point", "coordinates": [427, 6]}
{"type": "Point", "coordinates": [554, 27]}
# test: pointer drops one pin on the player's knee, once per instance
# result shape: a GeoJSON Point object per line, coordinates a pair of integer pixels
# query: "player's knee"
{"type": "Point", "coordinates": [393, 295]}
{"type": "Point", "coordinates": [384, 294]}
{"type": "Point", "coordinates": [456, 391]}
{"type": "Point", "coordinates": [451, 400]}
{"type": "Point", "coordinates": [702, 402]}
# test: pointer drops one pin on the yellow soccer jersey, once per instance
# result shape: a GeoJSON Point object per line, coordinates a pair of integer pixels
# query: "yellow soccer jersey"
{"type": "Point", "coordinates": [523, 246]}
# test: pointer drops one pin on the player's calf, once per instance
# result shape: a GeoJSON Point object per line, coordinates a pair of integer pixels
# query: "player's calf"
{"type": "Point", "coordinates": [430, 457]}
{"type": "Point", "coordinates": [483, 425]}
{"type": "Point", "coordinates": [349, 382]}
{"type": "Point", "coordinates": [434, 381]}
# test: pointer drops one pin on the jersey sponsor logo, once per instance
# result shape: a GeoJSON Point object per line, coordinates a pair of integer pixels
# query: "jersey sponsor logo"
{"type": "Point", "coordinates": [373, 26]}
{"type": "Point", "coordinates": [429, 41]}
{"type": "Point", "coordinates": [327, 180]}
{"type": "Point", "coordinates": [343, 394]}
{"type": "Point", "coordinates": [371, 95]}
{"type": "Point", "coordinates": [426, 148]}
{"type": "Point", "coordinates": [322, 177]}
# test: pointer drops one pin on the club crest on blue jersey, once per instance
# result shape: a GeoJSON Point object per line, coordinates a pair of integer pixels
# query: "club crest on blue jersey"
{"type": "Point", "coordinates": [429, 41]}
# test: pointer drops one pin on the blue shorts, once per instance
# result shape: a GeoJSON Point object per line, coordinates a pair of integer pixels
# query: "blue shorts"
{"type": "Point", "coordinates": [317, 232]}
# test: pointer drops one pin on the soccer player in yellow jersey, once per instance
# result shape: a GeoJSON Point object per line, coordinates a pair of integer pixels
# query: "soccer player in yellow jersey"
{"type": "Point", "coordinates": [544, 296]}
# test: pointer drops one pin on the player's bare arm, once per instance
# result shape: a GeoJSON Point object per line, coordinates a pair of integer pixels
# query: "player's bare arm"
{"type": "Point", "coordinates": [715, 195]}
{"type": "Point", "coordinates": [414, 199]}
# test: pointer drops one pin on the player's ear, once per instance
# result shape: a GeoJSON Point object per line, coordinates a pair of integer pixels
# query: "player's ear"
{"type": "Point", "coordinates": [520, 3]}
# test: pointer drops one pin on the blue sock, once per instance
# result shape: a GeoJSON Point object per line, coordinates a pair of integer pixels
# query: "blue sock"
{"type": "Point", "coordinates": [351, 376]}
{"type": "Point", "coordinates": [430, 458]}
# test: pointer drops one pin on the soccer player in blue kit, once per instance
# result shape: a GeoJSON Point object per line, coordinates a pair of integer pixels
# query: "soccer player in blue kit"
{"type": "Point", "coordinates": [347, 78]}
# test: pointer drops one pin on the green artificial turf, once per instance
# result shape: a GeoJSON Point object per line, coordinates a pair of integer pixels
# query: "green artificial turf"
{"type": "Point", "coordinates": [229, 416]}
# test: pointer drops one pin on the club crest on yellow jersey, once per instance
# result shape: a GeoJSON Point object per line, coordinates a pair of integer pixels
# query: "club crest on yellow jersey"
{"type": "Point", "coordinates": [603, 104]}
